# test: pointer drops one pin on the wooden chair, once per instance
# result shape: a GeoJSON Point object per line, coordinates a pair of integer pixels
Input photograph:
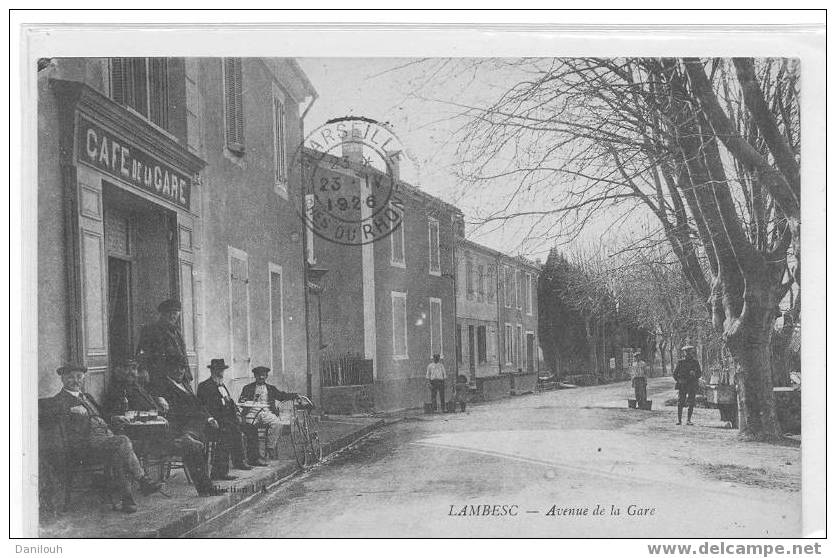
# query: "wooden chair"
{"type": "Point", "coordinates": [174, 461]}
{"type": "Point", "coordinates": [263, 432]}
{"type": "Point", "coordinates": [63, 461]}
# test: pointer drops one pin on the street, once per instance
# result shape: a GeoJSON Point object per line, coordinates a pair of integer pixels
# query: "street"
{"type": "Point", "coordinates": [567, 463]}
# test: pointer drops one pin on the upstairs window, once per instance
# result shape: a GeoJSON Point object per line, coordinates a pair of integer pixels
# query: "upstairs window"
{"type": "Point", "coordinates": [510, 291]}
{"type": "Point", "coordinates": [142, 85]}
{"type": "Point", "coordinates": [279, 143]}
{"type": "Point", "coordinates": [529, 290]}
{"type": "Point", "coordinates": [480, 276]}
{"type": "Point", "coordinates": [397, 256]}
{"type": "Point", "coordinates": [518, 284]}
{"type": "Point", "coordinates": [469, 278]}
{"type": "Point", "coordinates": [435, 249]}
{"type": "Point", "coordinates": [491, 286]}
{"type": "Point", "coordinates": [233, 105]}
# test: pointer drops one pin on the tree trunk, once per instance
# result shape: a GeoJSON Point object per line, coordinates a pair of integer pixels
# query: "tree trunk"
{"type": "Point", "coordinates": [749, 340]}
{"type": "Point", "coordinates": [758, 418]}
{"type": "Point", "coordinates": [592, 345]}
{"type": "Point", "coordinates": [662, 346]}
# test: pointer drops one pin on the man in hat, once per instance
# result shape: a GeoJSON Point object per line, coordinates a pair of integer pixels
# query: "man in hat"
{"type": "Point", "coordinates": [261, 392]}
{"type": "Point", "coordinates": [638, 376]}
{"type": "Point", "coordinates": [215, 396]}
{"type": "Point", "coordinates": [128, 390]}
{"type": "Point", "coordinates": [687, 374]}
{"type": "Point", "coordinates": [89, 436]}
{"type": "Point", "coordinates": [162, 341]}
{"type": "Point", "coordinates": [191, 426]}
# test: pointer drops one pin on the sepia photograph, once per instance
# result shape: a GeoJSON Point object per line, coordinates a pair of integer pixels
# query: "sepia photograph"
{"type": "Point", "coordinates": [442, 296]}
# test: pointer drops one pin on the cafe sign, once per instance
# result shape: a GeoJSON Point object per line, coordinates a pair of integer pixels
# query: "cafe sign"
{"type": "Point", "coordinates": [117, 157]}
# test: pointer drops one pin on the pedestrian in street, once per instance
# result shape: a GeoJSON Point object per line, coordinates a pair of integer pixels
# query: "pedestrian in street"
{"type": "Point", "coordinates": [687, 375]}
{"type": "Point", "coordinates": [162, 342]}
{"type": "Point", "coordinates": [436, 376]}
{"type": "Point", "coordinates": [638, 374]}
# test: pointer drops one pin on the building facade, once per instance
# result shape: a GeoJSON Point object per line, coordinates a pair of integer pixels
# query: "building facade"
{"type": "Point", "coordinates": [167, 178]}
{"type": "Point", "coordinates": [388, 304]}
{"type": "Point", "coordinates": [518, 315]}
{"type": "Point", "coordinates": [477, 310]}
{"type": "Point", "coordinates": [497, 342]}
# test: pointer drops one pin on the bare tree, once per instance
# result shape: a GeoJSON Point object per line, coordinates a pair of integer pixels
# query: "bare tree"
{"type": "Point", "coordinates": [710, 148]}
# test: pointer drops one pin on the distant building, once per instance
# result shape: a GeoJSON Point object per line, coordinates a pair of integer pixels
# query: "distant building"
{"type": "Point", "coordinates": [387, 305]}
{"type": "Point", "coordinates": [168, 178]}
{"type": "Point", "coordinates": [496, 319]}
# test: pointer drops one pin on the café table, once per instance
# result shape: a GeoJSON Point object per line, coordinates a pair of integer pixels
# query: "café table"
{"type": "Point", "coordinates": [148, 433]}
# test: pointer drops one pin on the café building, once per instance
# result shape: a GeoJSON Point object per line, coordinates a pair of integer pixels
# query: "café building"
{"type": "Point", "coordinates": [116, 212]}
{"type": "Point", "coordinates": [168, 178]}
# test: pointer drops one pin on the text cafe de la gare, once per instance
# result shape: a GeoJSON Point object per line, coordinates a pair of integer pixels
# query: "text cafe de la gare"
{"type": "Point", "coordinates": [130, 164]}
{"type": "Point", "coordinates": [128, 236]}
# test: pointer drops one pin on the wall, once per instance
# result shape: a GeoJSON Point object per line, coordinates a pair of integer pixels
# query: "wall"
{"type": "Point", "coordinates": [518, 315]}
{"type": "Point", "coordinates": [52, 263]}
{"type": "Point", "coordinates": [240, 208]}
{"type": "Point", "coordinates": [403, 383]}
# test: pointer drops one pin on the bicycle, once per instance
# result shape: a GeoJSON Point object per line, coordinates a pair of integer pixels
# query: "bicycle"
{"type": "Point", "coordinates": [307, 448]}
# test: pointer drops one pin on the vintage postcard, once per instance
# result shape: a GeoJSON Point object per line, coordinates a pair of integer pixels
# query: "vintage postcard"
{"type": "Point", "coordinates": [326, 293]}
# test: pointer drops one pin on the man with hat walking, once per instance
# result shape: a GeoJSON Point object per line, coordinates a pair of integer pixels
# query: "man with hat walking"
{"type": "Point", "coordinates": [687, 374]}
{"type": "Point", "coordinates": [217, 400]}
{"type": "Point", "coordinates": [162, 342]}
{"type": "Point", "coordinates": [265, 417]}
{"type": "Point", "coordinates": [89, 436]}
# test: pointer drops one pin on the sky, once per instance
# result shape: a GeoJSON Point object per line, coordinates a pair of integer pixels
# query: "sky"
{"type": "Point", "coordinates": [423, 107]}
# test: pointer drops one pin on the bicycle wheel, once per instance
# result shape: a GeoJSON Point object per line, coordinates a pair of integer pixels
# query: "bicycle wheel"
{"type": "Point", "coordinates": [298, 440]}
{"type": "Point", "coordinates": [313, 441]}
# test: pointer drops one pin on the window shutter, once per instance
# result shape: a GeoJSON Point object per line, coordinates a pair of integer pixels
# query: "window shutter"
{"type": "Point", "coordinates": [233, 104]}
{"type": "Point", "coordinates": [158, 91]}
{"type": "Point", "coordinates": [280, 160]}
{"type": "Point", "coordinates": [117, 80]}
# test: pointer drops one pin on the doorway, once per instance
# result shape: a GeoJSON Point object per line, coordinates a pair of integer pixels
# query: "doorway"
{"type": "Point", "coordinates": [471, 351]}
{"type": "Point", "coordinates": [529, 351]}
{"type": "Point", "coordinates": [141, 273]}
{"type": "Point", "coordinates": [119, 315]}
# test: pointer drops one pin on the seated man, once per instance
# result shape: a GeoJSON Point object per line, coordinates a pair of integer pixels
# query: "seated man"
{"type": "Point", "coordinates": [262, 392]}
{"type": "Point", "coordinates": [89, 435]}
{"type": "Point", "coordinates": [189, 423]}
{"type": "Point", "coordinates": [219, 403]}
{"type": "Point", "coordinates": [127, 387]}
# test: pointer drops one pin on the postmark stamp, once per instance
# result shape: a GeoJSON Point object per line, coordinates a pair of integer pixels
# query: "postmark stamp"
{"type": "Point", "coordinates": [351, 181]}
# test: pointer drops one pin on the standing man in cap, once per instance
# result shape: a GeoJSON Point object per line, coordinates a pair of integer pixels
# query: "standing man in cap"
{"type": "Point", "coordinates": [261, 392]}
{"type": "Point", "coordinates": [89, 436]}
{"type": "Point", "coordinates": [687, 375]}
{"type": "Point", "coordinates": [215, 396]}
{"type": "Point", "coordinates": [162, 342]}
